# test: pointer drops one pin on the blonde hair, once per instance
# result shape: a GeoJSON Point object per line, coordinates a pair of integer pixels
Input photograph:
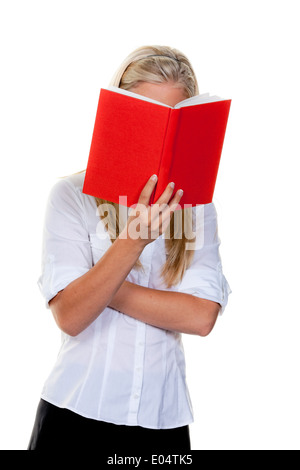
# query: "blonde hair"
{"type": "Point", "coordinates": [157, 64]}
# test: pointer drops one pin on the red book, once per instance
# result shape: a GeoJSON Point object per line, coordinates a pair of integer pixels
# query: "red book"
{"type": "Point", "coordinates": [135, 137]}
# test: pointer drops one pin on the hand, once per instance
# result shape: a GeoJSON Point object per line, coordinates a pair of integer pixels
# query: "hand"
{"type": "Point", "coordinates": [146, 223]}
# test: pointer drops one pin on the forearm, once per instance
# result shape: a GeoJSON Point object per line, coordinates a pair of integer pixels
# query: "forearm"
{"type": "Point", "coordinates": [168, 310]}
{"type": "Point", "coordinates": [83, 300]}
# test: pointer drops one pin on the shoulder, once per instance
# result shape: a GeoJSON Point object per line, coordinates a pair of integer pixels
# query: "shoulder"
{"type": "Point", "coordinates": [68, 188]}
{"type": "Point", "coordinates": [210, 211]}
{"type": "Point", "coordinates": [205, 215]}
{"type": "Point", "coordinates": [206, 210]}
{"type": "Point", "coordinates": [205, 225]}
{"type": "Point", "coordinates": [66, 194]}
{"type": "Point", "coordinates": [72, 183]}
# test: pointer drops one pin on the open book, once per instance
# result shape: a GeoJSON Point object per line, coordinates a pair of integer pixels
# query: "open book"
{"type": "Point", "coordinates": [135, 137]}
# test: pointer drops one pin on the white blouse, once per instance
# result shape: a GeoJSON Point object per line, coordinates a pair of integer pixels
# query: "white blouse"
{"type": "Point", "coordinates": [120, 370]}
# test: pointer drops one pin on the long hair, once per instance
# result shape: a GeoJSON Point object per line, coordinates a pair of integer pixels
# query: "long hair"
{"type": "Point", "coordinates": [157, 64]}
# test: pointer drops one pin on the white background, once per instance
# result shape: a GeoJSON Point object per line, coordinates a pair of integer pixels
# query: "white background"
{"type": "Point", "coordinates": [55, 56]}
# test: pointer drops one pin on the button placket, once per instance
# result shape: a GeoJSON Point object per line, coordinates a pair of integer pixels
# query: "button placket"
{"type": "Point", "coordinates": [137, 374]}
{"type": "Point", "coordinates": [140, 345]}
{"type": "Point", "coordinates": [146, 260]}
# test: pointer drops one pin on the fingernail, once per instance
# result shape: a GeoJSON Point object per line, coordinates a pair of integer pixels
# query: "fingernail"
{"type": "Point", "coordinates": [154, 178]}
{"type": "Point", "coordinates": [180, 192]}
{"type": "Point", "coordinates": [172, 185]}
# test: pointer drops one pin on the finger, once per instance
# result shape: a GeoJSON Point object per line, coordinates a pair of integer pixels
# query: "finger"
{"type": "Point", "coordinates": [175, 201]}
{"type": "Point", "coordinates": [166, 195]}
{"type": "Point", "coordinates": [147, 190]}
{"type": "Point", "coordinates": [172, 204]}
{"type": "Point", "coordinates": [163, 208]}
{"type": "Point", "coordinates": [162, 213]}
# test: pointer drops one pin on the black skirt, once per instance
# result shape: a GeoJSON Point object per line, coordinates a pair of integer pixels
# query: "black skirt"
{"type": "Point", "coordinates": [61, 429]}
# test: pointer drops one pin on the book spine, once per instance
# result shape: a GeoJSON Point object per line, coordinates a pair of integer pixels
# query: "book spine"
{"type": "Point", "coordinates": [167, 153]}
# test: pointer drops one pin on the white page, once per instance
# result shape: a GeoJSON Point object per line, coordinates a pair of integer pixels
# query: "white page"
{"type": "Point", "coordinates": [198, 99]}
{"type": "Point", "coordinates": [135, 95]}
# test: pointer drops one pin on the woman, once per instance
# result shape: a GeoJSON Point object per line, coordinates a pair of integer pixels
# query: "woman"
{"type": "Point", "coordinates": [123, 301]}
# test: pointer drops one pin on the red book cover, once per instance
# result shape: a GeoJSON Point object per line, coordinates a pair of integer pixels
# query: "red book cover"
{"type": "Point", "coordinates": [135, 138]}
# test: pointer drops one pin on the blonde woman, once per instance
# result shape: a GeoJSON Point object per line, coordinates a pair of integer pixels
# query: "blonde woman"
{"type": "Point", "coordinates": [122, 301]}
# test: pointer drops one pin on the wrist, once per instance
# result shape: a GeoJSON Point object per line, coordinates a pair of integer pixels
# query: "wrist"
{"type": "Point", "coordinates": [117, 302]}
{"type": "Point", "coordinates": [136, 244]}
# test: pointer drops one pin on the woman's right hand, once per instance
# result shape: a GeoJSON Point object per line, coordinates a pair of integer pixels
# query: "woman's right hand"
{"type": "Point", "coordinates": [146, 223]}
